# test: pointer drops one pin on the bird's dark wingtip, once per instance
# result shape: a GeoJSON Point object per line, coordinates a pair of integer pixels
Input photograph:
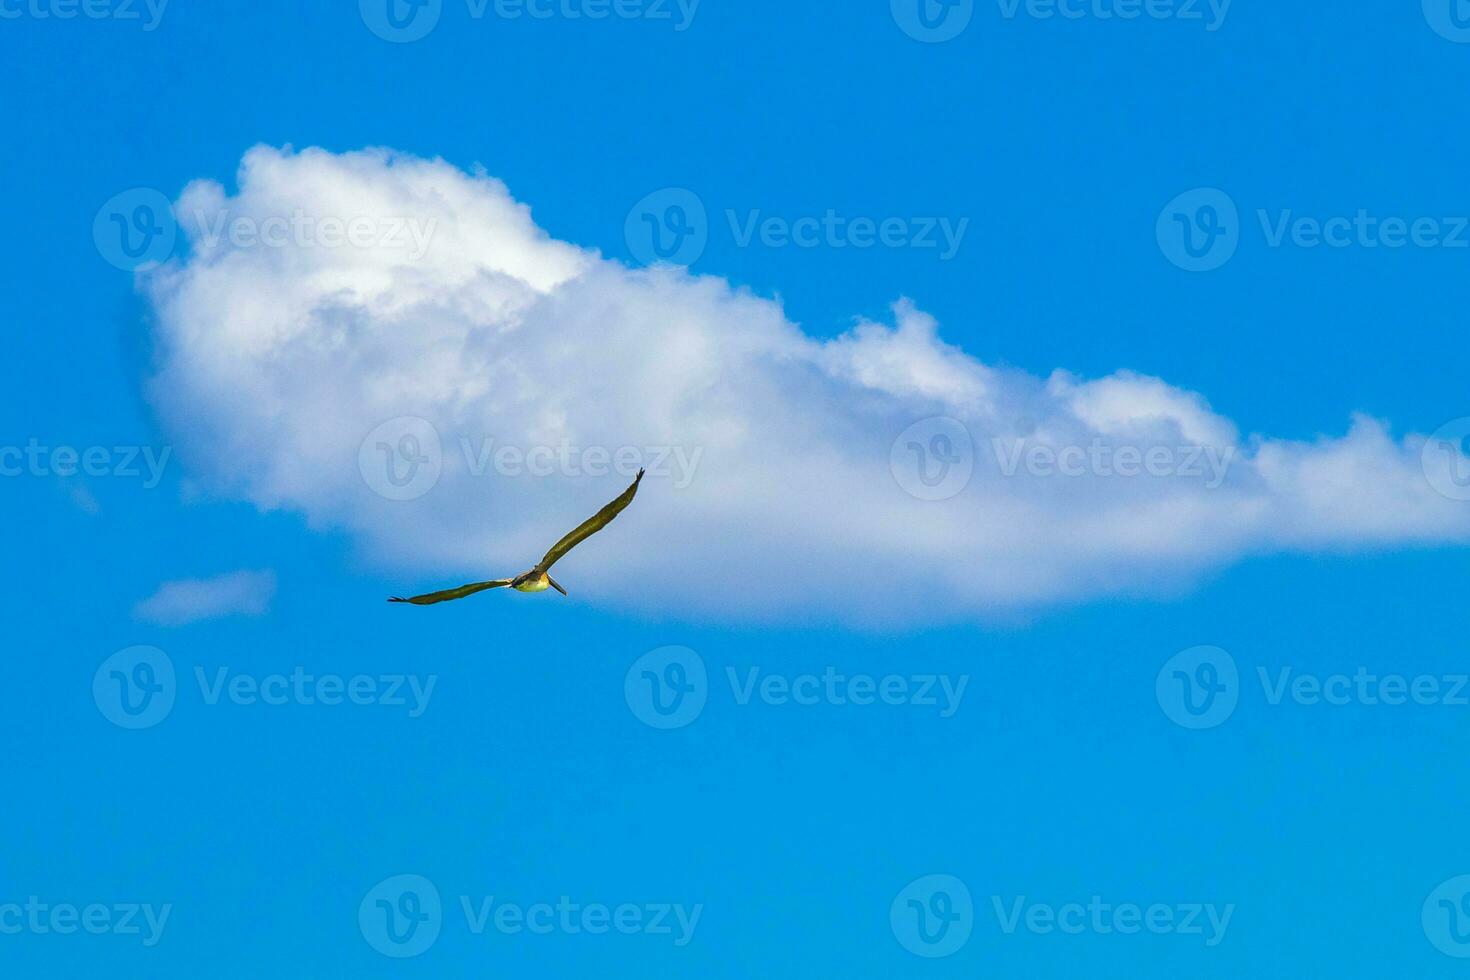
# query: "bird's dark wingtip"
{"type": "Point", "coordinates": [396, 599]}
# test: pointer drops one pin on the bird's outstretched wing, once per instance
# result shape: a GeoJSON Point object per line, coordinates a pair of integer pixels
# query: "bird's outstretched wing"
{"type": "Point", "coordinates": [590, 526]}
{"type": "Point", "coordinates": [448, 594]}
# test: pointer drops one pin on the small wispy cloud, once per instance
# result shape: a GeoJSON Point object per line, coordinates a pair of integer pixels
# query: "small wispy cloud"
{"type": "Point", "coordinates": [243, 593]}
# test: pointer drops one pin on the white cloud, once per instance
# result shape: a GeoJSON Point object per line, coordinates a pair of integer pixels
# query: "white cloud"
{"type": "Point", "coordinates": [276, 362]}
{"type": "Point", "coordinates": [191, 600]}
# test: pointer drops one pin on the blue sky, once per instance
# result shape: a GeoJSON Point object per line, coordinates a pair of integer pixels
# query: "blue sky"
{"type": "Point", "coordinates": [532, 771]}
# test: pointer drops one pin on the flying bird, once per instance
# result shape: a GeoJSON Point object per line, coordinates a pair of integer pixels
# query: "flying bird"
{"type": "Point", "coordinates": [538, 579]}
